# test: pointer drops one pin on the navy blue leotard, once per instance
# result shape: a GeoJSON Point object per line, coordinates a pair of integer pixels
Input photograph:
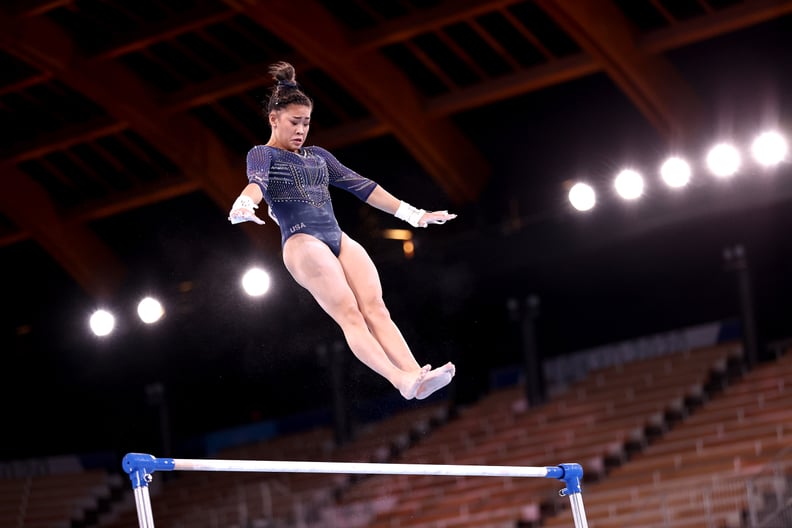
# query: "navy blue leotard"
{"type": "Point", "coordinates": [295, 186]}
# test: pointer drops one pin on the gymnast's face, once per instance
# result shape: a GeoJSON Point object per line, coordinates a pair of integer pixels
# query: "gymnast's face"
{"type": "Point", "coordinates": [290, 126]}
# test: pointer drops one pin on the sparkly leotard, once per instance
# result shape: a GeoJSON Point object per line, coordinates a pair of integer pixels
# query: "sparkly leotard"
{"type": "Point", "coordinates": [296, 189]}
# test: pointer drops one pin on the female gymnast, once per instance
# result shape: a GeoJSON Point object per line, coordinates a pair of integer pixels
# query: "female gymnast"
{"type": "Point", "coordinates": [293, 180]}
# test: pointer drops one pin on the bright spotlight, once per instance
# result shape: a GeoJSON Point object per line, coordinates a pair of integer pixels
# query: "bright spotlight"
{"type": "Point", "coordinates": [675, 172]}
{"type": "Point", "coordinates": [629, 184]}
{"type": "Point", "coordinates": [723, 160]}
{"type": "Point", "coordinates": [102, 322]}
{"type": "Point", "coordinates": [769, 148]}
{"type": "Point", "coordinates": [256, 282]}
{"type": "Point", "coordinates": [582, 197]}
{"type": "Point", "coordinates": [150, 310]}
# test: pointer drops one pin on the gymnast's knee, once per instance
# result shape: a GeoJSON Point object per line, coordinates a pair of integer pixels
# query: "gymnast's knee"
{"type": "Point", "coordinates": [349, 313]}
{"type": "Point", "coordinates": [375, 311]}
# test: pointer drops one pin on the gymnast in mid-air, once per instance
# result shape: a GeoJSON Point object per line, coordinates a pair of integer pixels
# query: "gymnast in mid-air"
{"type": "Point", "coordinates": [293, 180]}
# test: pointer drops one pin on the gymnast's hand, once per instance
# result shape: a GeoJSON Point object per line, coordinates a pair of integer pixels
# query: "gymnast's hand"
{"type": "Point", "coordinates": [243, 210]}
{"type": "Point", "coordinates": [435, 217]}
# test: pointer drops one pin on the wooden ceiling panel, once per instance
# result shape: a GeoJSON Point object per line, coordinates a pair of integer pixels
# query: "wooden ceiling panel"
{"type": "Point", "coordinates": [680, 11]}
{"type": "Point", "coordinates": [512, 37]}
{"type": "Point", "coordinates": [476, 44]}
{"type": "Point", "coordinates": [334, 103]}
{"type": "Point", "coordinates": [643, 14]}
{"type": "Point", "coordinates": [552, 37]}
{"type": "Point", "coordinates": [184, 63]}
{"type": "Point", "coordinates": [106, 161]}
{"type": "Point", "coordinates": [36, 110]}
{"type": "Point", "coordinates": [102, 169]}
{"type": "Point", "coordinates": [426, 82]}
{"type": "Point", "coordinates": [15, 72]}
{"type": "Point", "coordinates": [60, 138]}
{"type": "Point", "coordinates": [356, 15]}
{"type": "Point", "coordinates": [153, 30]}
{"type": "Point", "coordinates": [156, 72]}
{"type": "Point", "coordinates": [59, 189]}
{"type": "Point", "coordinates": [232, 133]}
{"type": "Point", "coordinates": [203, 63]}
{"type": "Point", "coordinates": [650, 81]}
{"type": "Point", "coordinates": [91, 22]}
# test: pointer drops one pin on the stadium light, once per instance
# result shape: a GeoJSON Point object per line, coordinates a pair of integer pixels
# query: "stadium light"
{"type": "Point", "coordinates": [724, 160]}
{"type": "Point", "coordinates": [256, 282]}
{"type": "Point", "coordinates": [582, 196]}
{"type": "Point", "coordinates": [675, 172]}
{"type": "Point", "coordinates": [150, 310]}
{"type": "Point", "coordinates": [769, 148]}
{"type": "Point", "coordinates": [629, 184]}
{"type": "Point", "coordinates": [102, 322]}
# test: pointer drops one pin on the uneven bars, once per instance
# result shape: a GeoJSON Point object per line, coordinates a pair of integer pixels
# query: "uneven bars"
{"type": "Point", "coordinates": [135, 461]}
{"type": "Point", "coordinates": [145, 464]}
{"type": "Point", "coordinates": [141, 466]}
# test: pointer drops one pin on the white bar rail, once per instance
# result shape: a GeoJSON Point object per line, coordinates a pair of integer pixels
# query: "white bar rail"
{"type": "Point", "coordinates": [141, 467]}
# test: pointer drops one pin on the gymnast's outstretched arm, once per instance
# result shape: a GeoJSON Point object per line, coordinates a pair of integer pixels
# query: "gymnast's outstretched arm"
{"type": "Point", "coordinates": [385, 201]}
{"type": "Point", "coordinates": [244, 208]}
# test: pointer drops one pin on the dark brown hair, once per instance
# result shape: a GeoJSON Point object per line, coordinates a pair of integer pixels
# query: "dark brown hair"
{"type": "Point", "coordinates": [286, 90]}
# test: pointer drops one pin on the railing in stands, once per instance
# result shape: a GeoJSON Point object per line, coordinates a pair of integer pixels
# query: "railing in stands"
{"type": "Point", "coordinates": [770, 494]}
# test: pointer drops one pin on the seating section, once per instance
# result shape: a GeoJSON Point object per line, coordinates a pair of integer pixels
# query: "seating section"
{"type": "Point", "coordinates": [52, 501]}
{"type": "Point", "coordinates": [696, 474]}
{"type": "Point", "coordinates": [12, 501]}
{"type": "Point", "coordinates": [595, 422]}
{"type": "Point", "coordinates": [229, 499]}
{"type": "Point", "coordinates": [668, 441]}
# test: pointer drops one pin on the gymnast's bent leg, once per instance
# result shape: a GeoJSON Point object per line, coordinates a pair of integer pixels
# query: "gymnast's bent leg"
{"type": "Point", "coordinates": [317, 269]}
{"type": "Point", "coordinates": [363, 278]}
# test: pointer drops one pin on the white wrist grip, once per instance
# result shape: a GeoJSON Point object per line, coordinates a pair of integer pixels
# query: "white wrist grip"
{"type": "Point", "coordinates": [244, 202]}
{"type": "Point", "coordinates": [243, 210]}
{"type": "Point", "coordinates": [409, 214]}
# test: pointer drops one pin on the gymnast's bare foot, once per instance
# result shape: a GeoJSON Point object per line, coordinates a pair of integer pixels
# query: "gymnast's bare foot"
{"type": "Point", "coordinates": [411, 387]}
{"type": "Point", "coordinates": [435, 380]}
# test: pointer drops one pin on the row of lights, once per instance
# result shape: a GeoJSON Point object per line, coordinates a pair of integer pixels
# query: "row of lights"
{"type": "Point", "coordinates": [255, 282]}
{"type": "Point", "coordinates": [723, 161]}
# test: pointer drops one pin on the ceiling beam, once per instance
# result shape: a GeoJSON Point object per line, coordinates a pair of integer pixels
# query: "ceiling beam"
{"type": "Point", "coordinates": [729, 19]}
{"type": "Point", "coordinates": [425, 21]}
{"type": "Point", "coordinates": [562, 70]}
{"type": "Point", "coordinates": [140, 196]}
{"type": "Point", "coordinates": [228, 85]}
{"type": "Point", "coordinates": [182, 139]}
{"type": "Point", "coordinates": [21, 84]}
{"type": "Point", "coordinates": [721, 22]}
{"type": "Point", "coordinates": [12, 236]}
{"type": "Point", "coordinates": [150, 193]}
{"type": "Point", "coordinates": [62, 139]}
{"type": "Point", "coordinates": [649, 81]}
{"type": "Point", "coordinates": [566, 69]}
{"type": "Point", "coordinates": [697, 29]}
{"type": "Point", "coordinates": [218, 87]}
{"type": "Point", "coordinates": [38, 7]}
{"type": "Point", "coordinates": [92, 264]}
{"type": "Point", "coordinates": [513, 85]}
{"type": "Point", "coordinates": [535, 78]}
{"type": "Point", "coordinates": [165, 29]}
{"type": "Point", "coordinates": [451, 159]}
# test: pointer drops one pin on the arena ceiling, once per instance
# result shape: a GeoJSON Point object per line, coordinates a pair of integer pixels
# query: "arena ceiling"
{"type": "Point", "coordinates": [126, 124]}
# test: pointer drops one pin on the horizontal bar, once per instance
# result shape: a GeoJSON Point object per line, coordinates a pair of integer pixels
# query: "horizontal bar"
{"type": "Point", "coordinates": [141, 466]}
{"type": "Point", "coordinates": [272, 466]}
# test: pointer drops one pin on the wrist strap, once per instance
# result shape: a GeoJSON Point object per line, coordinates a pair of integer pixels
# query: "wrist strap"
{"type": "Point", "coordinates": [409, 214]}
{"type": "Point", "coordinates": [244, 202]}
